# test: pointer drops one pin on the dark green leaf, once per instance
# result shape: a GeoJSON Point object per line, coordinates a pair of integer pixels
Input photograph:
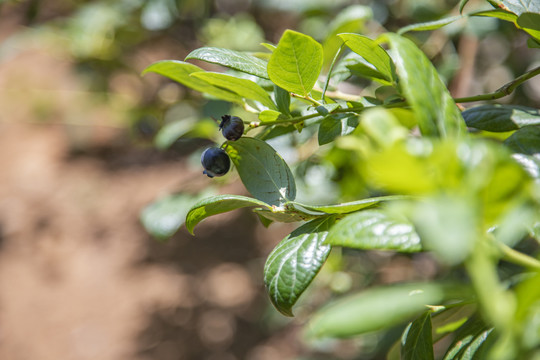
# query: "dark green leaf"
{"type": "Point", "coordinates": [525, 141]}
{"type": "Point", "coordinates": [521, 6]}
{"type": "Point", "coordinates": [372, 52]}
{"type": "Point", "coordinates": [468, 341]}
{"type": "Point", "coordinates": [530, 23]}
{"type": "Point", "coordinates": [285, 216]}
{"type": "Point", "coordinates": [501, 118]}
{"type": "Point", "coordinates": [164, 217]}
{"type": "Point", "coordinates": [295, 262]}
{"type": "Point", "coordinates": [462, 4]}
{"type": "Point", "coordinates": [375, 309]}
{"type": "Point", "coordinates": [430, 25]}
{"type": "Point", "coordinates": [296, 63]}
{"type": "Point", "coordinates": [264, 173]}
{"type": "Point", "coordinates": [353, 206]}
{"type": "Point", "coordinates": [233, 59]}
{"type": "Point", "coordinates": [333, 126]}
{"type": "Point", "coordinates": [530, 164]}
{"type": "Point", "coordinates": [180, 71]}
{"type": "Point", "coordinates": [283, 100]}
{"type": "Point", "coordinates": [435, 109]}
{"type": "Point", "coordinates": [375, 230]}
{"type": "Point", "coordinates": [416, 342]}
{"type": "Point", "coordinates": [218, 205]}
{"type": "Point", "coordinates": [243, 87]}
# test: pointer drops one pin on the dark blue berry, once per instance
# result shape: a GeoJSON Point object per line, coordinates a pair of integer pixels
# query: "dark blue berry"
{"type": "Point", "coordinates": [232, 127]}
{"type": "Point", "coordinates": [215, 161]}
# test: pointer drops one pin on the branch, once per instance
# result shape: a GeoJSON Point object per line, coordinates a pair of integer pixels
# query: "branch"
{"type": "Point", "coordinates": [505, 90]}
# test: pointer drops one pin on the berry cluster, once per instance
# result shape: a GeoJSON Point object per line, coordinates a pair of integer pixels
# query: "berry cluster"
{"type": "Point", "coordinates": [215, 161]}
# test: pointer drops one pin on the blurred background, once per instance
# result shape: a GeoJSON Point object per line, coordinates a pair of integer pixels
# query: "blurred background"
{"type": "Point", "coordinates": [80, 277]}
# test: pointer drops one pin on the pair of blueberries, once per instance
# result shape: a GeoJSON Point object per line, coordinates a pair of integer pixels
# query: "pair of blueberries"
{"type": "Point", "coordinates": [215, 160]}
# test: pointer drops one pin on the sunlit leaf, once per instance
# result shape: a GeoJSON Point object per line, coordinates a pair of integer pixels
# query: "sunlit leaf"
{"type": "Point", "coordinates": [181, 72]}
{"type": "Point", "coordinates": [217, 205]}
{"type": "Point", "coordinates": [242, 87]}
{"type": "Point", "coordinates": [349, 207]}
{"type": "Point", "coordinates": [236, 60]}
{"type": "Point", "coordinates": [519, 7]}
{"type": "Point", "coordinates": [264, 173]}
{"type": "Point", "coordinates": [430, 25]}
{"type": "Point", "coordinates": [296, 63]}
{"type": "Point", "coordinates": [375, 230]}
{"type": "Point", "coordinates": [429, 98]}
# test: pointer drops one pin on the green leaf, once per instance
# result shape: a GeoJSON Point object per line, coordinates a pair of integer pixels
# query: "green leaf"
{"type": "Point", "coordinates": [296, 63]}
{"type": "Point", "coordinates": [462, 4]}
{"type": "Point", "coordinates": [530, 22]}
{"type": "Point", "coordinates": [180, 71]}
{"type": "Point", "coordinates": [269, 116]}
{"type": "Point", "coordinates": [430, 25]}
{"type": "Point", "coordinates": [501, 118]}
{"type": "Point", "coordinates": [468, 341]}
{"type": "Point", "coordinates": [521, 6]}
{"type": "Point", "coordinates": [499, 14]}
{"type": "Point", "coordinates": [372, 52]}
{"type": "Point", "coordinates": [375, 230]}
{"type": "Point", "coordinates": [374, 309]}
{"type": "Point", "coordinates": [525, 141]}
{"type": "Point", "coordinates": [336, 125]}
{"type": "Point", "coordinates": [217, 205]}
{"type": "Point", "coordinates": [264, 173]}
{"type": "Point", "coordinates": [352, 206]}
{"type": "Point", "coordinates": [416, 342]}
{"type": "Point", "coordinates": [530, 164]}
{"type": "Point", "coordinates": [232, 59]}
{"type": "Point", "coordinates": [164, 217]}
{"type": "Point", "coordinates": [243, 87]}
{"type": "Point", "coordinates": [295, 262]}
{"type": "Point", "coordinates": [285, 216]}
{"type": "Point", "coordinates": [283, 100]}
{"type": "Point", "coordinates": [421, 85]}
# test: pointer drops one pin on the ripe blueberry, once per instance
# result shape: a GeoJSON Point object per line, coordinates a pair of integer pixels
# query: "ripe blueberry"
{"type": "Point", "coordinates": [215, 161]}
{"type": "Point", "coordinates": [232, 127]}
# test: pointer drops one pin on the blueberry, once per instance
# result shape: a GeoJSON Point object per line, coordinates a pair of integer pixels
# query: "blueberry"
{"type": "Point", "coordinates": [232, 127]}
{"type": "Point", "coordinates": [215, 161]}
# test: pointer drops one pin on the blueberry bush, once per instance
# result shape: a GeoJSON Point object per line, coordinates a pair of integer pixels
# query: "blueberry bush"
{"type": "Point", "coordinates": [415, 171]}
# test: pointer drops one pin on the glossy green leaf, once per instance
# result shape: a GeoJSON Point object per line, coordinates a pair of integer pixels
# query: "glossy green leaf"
{"type": "Point", "coordinates": [430, 25]}
{"type": "Point", "coordinates": [530, 22]}
{"type": "Point", "coordinates": [236, 60]}
{"type": "Point", "coordinates": [336, 125]}
{"type": "Point", "coordinates": [295, 262]}
{"type": "Point", "coordinates": [296, 63]}
{"type": "Point", "coordinates": [164, 217]}
{"type": "Point", "coordinates": [374, 309]}
{"type": "Point", "coordinates": [519, 7]}
{"type": "Point", "coordinates": [501, 118]}
{"type": "Point", "coordinates": [263, 171]}
{"type": "Point", "coordinates": [217, 205]}
{"type": "Point", "coordinates": [242, 87]}
{"type": "Point", "coordinates": [525, 141]}
{"type": "Point", "coordinates": [375, 230]}
{"type": "Point", "coordinates": [372, 52]}
{"type": "Point", "coordinates": [181, 72]}
{"type": "Point", "coordinates": [416, 342]}
{"type": "Point", "coordinates": [349, 207]}
{"type": "Point", "coordinates": [421, 85]}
